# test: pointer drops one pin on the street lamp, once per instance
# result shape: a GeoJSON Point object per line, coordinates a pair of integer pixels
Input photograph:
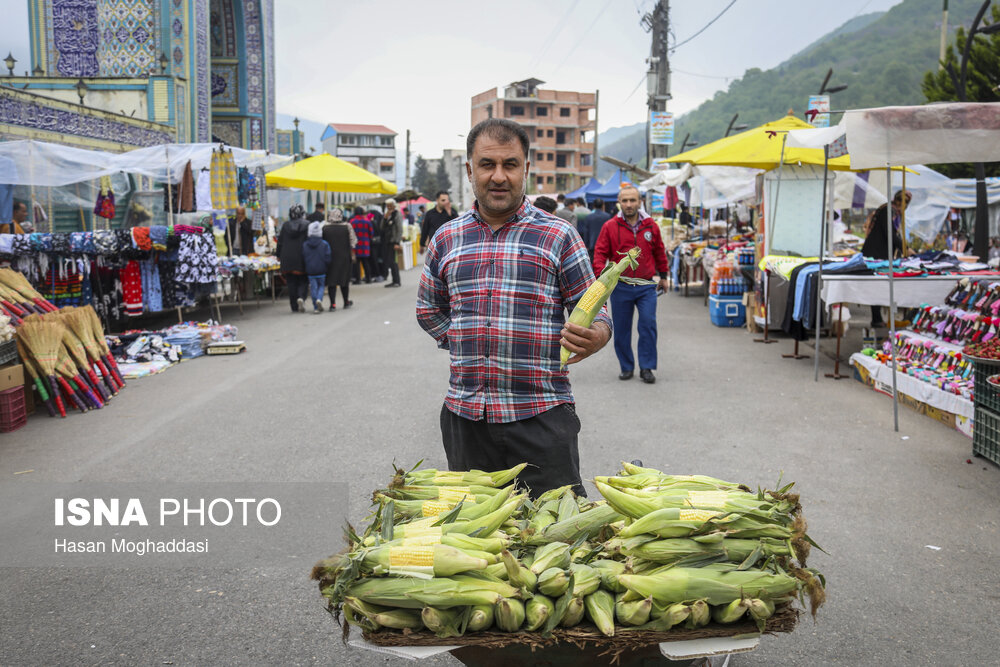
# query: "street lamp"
{"type": "Point", "coordinates": [164, 61]}
{"type": "Point", "coordinates": [10, 61]}
{"type": "Point", "coordinates": [81, 89]}
{"type": "Point", "coordinates": [982, 228]}
{"type": "Point", "coordinates": [738, 128]}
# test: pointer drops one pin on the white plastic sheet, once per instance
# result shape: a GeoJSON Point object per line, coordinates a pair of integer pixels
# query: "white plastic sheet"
{"type": "Point", "coordinates": [935, 133]}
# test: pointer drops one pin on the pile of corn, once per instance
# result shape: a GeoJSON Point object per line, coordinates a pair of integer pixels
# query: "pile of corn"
{"type": "Point", "coordinates": [464, 552]}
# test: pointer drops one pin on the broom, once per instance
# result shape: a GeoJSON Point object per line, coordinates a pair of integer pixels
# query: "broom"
{"type": "Point", "coordinates": [13, 301]}
{"type": "Point", "coordinates": [70, 380]}
{"type": "Point", "coordinates": [78, 322]}
{"type": "Point", "coordinates": [19, 283]}
{"type": "Point", "coordinates": [98, 333]}
{"type": "Point", "coordinates": [44, 345]}
{"type": "Point", "coordinates": [79, 355]}
{"type": "Point", "coordinates": [29, 363]}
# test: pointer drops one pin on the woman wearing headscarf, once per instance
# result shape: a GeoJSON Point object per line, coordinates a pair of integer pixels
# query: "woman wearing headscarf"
{"type": "Point", "coordinates": [340, 235]}
{"type": "Point", "coordinates": [392, 237]}
{"type": "Point", "coordinates": [290, 238]}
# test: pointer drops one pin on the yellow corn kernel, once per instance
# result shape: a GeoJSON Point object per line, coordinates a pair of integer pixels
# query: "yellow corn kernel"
{"type": "Point", "coordinates": [423, 539]}
{"type": "Point", "coordinates": [411, 556]}
{"type": "Point", "coordinates": [455, 494]}
{"type": "Point", "coordinates": [707, 499]}
{"type": "Point", "coordinates": [697, 515]}
{"type": "Point", "coordinates": [431, 508]}
{"type": "Point", "coordinates": [592, 296]}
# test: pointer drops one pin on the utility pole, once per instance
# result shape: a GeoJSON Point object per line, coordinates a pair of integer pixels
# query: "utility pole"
{"type": "Point", "coordinates": [658, 75]}
{"type": "Point", "coordinates": [597, 102]}
{"type": "Point", "coordinates": [406, 172]}
{"type": "Point", "coordinates": [944, 34]}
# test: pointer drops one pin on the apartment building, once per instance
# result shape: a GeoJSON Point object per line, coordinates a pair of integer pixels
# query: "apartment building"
{"type": "Point", "coordinates": [562, 125]}
{"type": "Point", "coordinates": [371, 147]}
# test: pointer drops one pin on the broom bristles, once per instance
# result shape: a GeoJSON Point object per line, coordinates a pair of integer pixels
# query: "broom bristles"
{"type": "Point", "coordinates": [79, 323]}
{"type": "Point", "coordinates": [43, 339]}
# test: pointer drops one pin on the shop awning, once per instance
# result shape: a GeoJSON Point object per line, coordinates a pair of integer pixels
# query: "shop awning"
{"type": "Point", "coordinates": [330, 174]}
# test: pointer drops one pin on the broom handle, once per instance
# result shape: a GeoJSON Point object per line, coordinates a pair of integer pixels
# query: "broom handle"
{"type": "Point", "coordinates": [88, 392]}
{"type": "Point", "coordinates": [109, 379]}
{"type": "Point", "coordinates": [54, 387]}
{"type": "Point", "coordinates": [14, 318]}
{"type": "Point", "coordinates": [113, 366]}
{"type": "Point", "coordinates": [45, 396]}
{"type": "Point", "coordinates": [99, 386]}
{"type": "Point", "coordinates": [12, 307]}
{"type": "Point", "coordinates": [71, 389]}
{"type": "Point", "coordinates": [46, 305]}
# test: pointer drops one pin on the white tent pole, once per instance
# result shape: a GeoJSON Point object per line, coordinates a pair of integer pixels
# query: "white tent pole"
{"type": "Point", "coordinates": [892, 300]}
{"type": "Point", "coordinates": [170, 191]}
{"type": "Point", "coordinates": [822, 246]}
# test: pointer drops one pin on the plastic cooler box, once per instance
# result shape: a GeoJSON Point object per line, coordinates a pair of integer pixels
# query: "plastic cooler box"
{"type": "Point", "coordinates": [727, 310]}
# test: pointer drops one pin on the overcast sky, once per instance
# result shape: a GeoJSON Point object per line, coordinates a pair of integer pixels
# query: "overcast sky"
{"type": "Point", "coordinates": [416, 64]}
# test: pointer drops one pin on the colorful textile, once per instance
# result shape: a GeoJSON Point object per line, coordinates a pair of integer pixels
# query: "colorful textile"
{"type": "Point", "coordinates": [140, 237]}
{"type": "Point", "coordinates": [363, 230]}
{"type": "Point", "coordinates": [158, 237]}
{"type": "Point", "coordinates": [131, 277]}
{"type": "Point", "coordinates": [152, 296]}
{"type": "Point", "coordinates": [498, 301]}
{"type": "Point", "coordinates": [185, 191]}
{"type": "Point", "coordinates": [224, 182]}
{"type": "Point", "coordinates": [197, 260]}
{"type": "Point", "coordinates": [260, 211]}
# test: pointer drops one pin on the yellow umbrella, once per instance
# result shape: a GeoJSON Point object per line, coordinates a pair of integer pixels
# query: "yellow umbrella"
{"type": "Point", "coordinates": [331, 174]}
{"type": "Point", "coordinates": [760, 148]}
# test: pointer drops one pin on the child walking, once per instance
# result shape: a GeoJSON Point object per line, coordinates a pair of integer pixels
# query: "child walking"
{"type": "Point", "coordinates": [316, 256]}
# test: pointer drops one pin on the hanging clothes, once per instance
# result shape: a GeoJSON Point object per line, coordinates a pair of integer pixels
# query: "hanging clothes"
{"type": "Point", "coordinates": [224, 182]}
{"type": "Point", "coordinates": [197, 261]}
{"type": "Point", "coordinates": [260, 211]}
{"type": "Point", "coordinates": [105, 205]}
{"type": "Point", "coordinates": [131, 277]}
{"type": "Point", "coordinates": [152, 296]}
{"type": "Point", "coordinates": [203, 191]}
{"type": "Point", "coordinates": [243, 186]}
{"type": "Point", "coordinates": [186, 199]}
{"type": "Point", "coordinates": [6, 202]}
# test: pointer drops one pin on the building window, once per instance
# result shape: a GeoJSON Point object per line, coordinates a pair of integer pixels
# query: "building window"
{"type": "Point", "coordinates": [366, 140]}
{"type": "Point", "coordinates": [347, 140]}
{"type": "Point", "coordinates": [549, 134]}
{"type": "Point", "coordinates": [385, 168]}
{"type": "Point", "coordinates": [541, 179]}
{"type": "Point", "coordinates": [564, 112]}
{"type": "Point", "coordinates": [516, 110]}
{"type": "Point", "coordinates": [550, 182]}
{"type": "Point", "coordinates": [586, 160]}
{"type": "Point", "coordinates": [550, 160]}
{"type": "Point", "coordinates": [385, 141]}
{"type": "Point", "coordinates": [541, 133]}
{"type": "Point", "coordinates": [560, 160]}
{"type": "Point", "coordinates": [542, 111]}
{"type": "Point", "coordinates": [560, 137]}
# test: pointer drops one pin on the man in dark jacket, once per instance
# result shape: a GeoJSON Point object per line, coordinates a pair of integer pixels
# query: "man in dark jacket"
{"type": "Point", "coordinates": [619, 235]}
{"type": "Point", "coordinates": [876, 240]}
{"type": "Point", "coordinates": [319, 215]}
{"type": "Point", "coordinates": [392, 237]}
{"type": "Point", "coordinates": [590, 226]}
{"type": "Point", "coordinates": [290, 238]}
{"type": "Point", "coordinates": [316, 259]}
{"type": "Point", "coordinates": [240, 235]}
{"type": "Point", "coordinates": [434, 218]}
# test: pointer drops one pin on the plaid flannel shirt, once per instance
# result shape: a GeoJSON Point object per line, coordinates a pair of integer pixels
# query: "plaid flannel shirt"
{"type": "Point", "coordinates": [498, 301]}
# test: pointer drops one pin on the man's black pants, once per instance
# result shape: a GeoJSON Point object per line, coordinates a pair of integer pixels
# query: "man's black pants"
{"type": "Point", "coordinates": [547, 442]}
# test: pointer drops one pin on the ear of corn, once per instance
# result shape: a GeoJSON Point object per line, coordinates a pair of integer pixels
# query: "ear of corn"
{"type": "Point", "coordinates": [553, 582]}
{"type": "Point", "coordinates": [701, 614]}
{"type": "Point", "coordinates": [554, 554]}
{"type": "Point", "coordinates": [537, 612]}
{"type": "Point", "coordinates": [480, 618]}
{"type": "Point", "coordinates": [586, 580]}
{"type": "Point", "coordinates": [445, 622]}
{"type": "Point", "coordinates": [609, 571]}
{"type": "Point", "coordinates": [680, 583]}
{"type": "Point", "coordinates": [574, 613]}
{"type": "Point", "coordinates": [399, 619]}
{"type": "Point", "coordinates": [588, 523]}
{"type": "Point", "coordinates": [509, 614]}
{"type": "Point", "coordinates": [597, 294]}
{"type": "Point", "coordinates": [633, 613]}
{"type": "Point", "coordinates": [517, 574]}
{"type": "Point", "coordinates": [731, 612]}
{"type": "Point", "coordinates": [600, 606]}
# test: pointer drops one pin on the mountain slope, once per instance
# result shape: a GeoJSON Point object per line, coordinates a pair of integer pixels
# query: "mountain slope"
{"type": "Point", "coordinates": [882, 58]}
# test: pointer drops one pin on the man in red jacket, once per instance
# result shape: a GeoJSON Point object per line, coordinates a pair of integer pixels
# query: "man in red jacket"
{"type": "Point", "coordinates": [618, 235]}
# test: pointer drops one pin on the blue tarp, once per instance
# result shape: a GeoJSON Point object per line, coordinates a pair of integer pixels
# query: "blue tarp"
{"type": "Point", "coordinates": [608, 191]}
{"type": "Point", "coordinates": [593, 184]}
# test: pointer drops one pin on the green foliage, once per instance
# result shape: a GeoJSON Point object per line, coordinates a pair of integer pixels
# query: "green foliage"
{"type": "Point", "coordinates": [443, 182]}
{"type": "Point", "coordinates": [424, 181]}
{"type": "Point", "coordinates": [982, 82]}
{"type": "Point", "coordinates": [882, 57]}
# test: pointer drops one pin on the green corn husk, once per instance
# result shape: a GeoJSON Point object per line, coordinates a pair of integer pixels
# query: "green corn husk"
{"type": "Point", "coordinates": [399, 619]}
{"type": "Point", "coordinates": [760, 611]}
{"type": "Point", "coordinates": [446, 561]}
{"type": "Point", "coordinates": [456, 591]}
{"type": "Point", "coordinates": [568, 507]}
{"type": "Point", "coordinates": [731, 612]}
{"type": "Point", "coordinates": [553, 582]}
{"type": "Point", "coordinates": [493, 544]}
{"type": "Point", "coordinates": [517, 574]}
{"type": "Point", "coordinates": [588, 305]}
{"type": "Point", "coordinates": [480, 618]}
{"type": "Point", "coordinates": [537, 611]}
{"type": "Point", "coordinates": [678, 584]}
{"type": "Point", "coordinates": [587, 523]}
{"type": "Point", "coordinates": [497, 570]}
{"type": "Point", "coordinates": [633, 613]}
{"type": "Point", "coordinates": [586, 579]}
{"type": "Point", "coordinates": [609, 571]}
{"type": "Point", "coordinates": [553, 495]}
{"type": "Point", "coordinates": [353, 617]}
{"type": "Point", "coordinates": [554, 554]}
{"type": "Point", "coordinates": [509, 614]}
{"type": "Point", "coordinates": [701, 614]}
{"type": "Point", "coordinates": [600, 606]}
{"type": "Point", "coordinates": [540, 522]}
{"type": "Point", "coordinates": [574, 613]}
{"type": "Point", "coordinates": [673, 549]}
{"type": "Point", "coordinates": [445, 622]}
{"type": "Point", "coordinates": [479, 493]}
{"type": "Point", "coordinates": [432, 477]}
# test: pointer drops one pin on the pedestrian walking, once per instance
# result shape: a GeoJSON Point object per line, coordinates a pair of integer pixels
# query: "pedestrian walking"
{"type": "Point", "coordinates": [290, 238]}
{"type": "Point", "coordinates": [620, 234]}
{"type": "Point", "coordinates": [590, 226]}
{"type": "Point", "coordinates": [319, 215]}
{"type": "Point", "coordinates": [392, 237]}
{"type": "Point", "coordinates": [546, 204]}
{"type": "Point", "coordinates": [567, 211]}
{"type": "Point", "coordinates": [495, 291]}
{"type": "Point", "coordinates": [316, 258]}
{"type": "Point", "coordinates": [340, 235]}
{"type": "Point", "coordinates": [435, 218]}
{"type": "Point", "coordinates": [362, 251]}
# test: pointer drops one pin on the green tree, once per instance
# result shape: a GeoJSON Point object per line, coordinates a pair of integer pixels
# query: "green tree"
{"type": "Point", "coordinates": [443, 182]}
{"type": "Point", "coordinates": [424, 181]}
{"type": "Point", "coordinates": [982, 83]}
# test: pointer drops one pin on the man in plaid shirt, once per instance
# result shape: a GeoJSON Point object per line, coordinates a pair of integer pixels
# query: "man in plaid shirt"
{"type": "Point", "coordinates": [497, 285]}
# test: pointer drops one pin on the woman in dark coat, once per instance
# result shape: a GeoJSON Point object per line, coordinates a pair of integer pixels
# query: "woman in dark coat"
{"type": "Point", "coordinates": [877, 242]}
{"type": "Point", "coordinates": [340, 235]}
{"type": "Point", "coordinates": [290, 238]}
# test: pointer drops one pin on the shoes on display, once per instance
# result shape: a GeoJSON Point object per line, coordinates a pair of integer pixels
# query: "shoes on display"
{"type": "Point", "coordinates": [625, 375]}
{"type": "Point", "coordinates": [647, 376]}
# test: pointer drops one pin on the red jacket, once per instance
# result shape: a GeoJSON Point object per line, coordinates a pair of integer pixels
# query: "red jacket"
{"type": "Point", "coordinates": [617, 237]}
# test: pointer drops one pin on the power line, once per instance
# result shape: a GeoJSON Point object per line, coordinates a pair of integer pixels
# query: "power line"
{"type": "Point", "coordinates": [636, 88]}
{"type": "Point", "coordinates": [553, 34]}
{"type": "Point", "coordinates": [676, 46]}
{"type": "Point", "coordinates": [584, 35]}
{"type": "Point", "coordinates": [703, 76]}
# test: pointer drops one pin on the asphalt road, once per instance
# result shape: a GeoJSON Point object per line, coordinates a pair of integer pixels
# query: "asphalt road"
{"type": "Point", "coordinates": [338, 397]}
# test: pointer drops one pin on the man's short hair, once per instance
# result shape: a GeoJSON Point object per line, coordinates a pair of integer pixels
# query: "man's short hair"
{"type": "Point", "coordinates": [18, 204]}
{"type": "Point", "coordinates": [320, 206]}
{"type": "Point", "coordinates": [581, 201]}
{"type": "Point", "coordinates": [560, 197]}
{"type": "Point", "coordinates": [499, 129]}
{"type": "Point", "coordinates": [547, 204]}
{"type": "Point", "coordinates": [442, 192]}
{"type": "Point", "coordinates": [598, 204]}
{"type": "Point", "coordinates": [628, 186]}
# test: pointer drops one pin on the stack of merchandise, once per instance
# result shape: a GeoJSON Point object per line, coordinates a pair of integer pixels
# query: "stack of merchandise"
{"type": "Point", "coordinates": [940, 365]}
{"type": "Point", "coordinates": [726, 279]}
{"type": "Point", "coordinates": [465, 556]}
